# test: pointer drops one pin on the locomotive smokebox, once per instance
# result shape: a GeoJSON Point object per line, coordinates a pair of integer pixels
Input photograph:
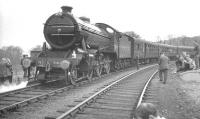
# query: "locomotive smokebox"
{"type": "Point", "coordinates": [61, 30]}
{"type": "Point", "coordinates": [66, 9]}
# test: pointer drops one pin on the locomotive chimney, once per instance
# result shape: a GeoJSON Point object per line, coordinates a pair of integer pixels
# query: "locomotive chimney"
{"type": "Point", "coordinates": [66, 9]}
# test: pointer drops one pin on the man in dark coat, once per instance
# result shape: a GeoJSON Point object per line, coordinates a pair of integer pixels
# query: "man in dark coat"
{"type": "Point", "coordinates": [5, 70]}
{"type": "Point", "coordinates": [163, 67]}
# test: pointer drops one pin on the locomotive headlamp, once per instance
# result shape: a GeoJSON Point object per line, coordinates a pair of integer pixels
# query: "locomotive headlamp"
{"type": "Point", "coordinates": [64, 64]}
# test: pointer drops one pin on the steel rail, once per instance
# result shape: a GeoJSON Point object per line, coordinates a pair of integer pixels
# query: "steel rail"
{"type": "Point", "coordinates": [81, 105]}
{"type": "Point", "coordinates": [33, 98]}
{"type": "Point", "coordinates": [145, 88]}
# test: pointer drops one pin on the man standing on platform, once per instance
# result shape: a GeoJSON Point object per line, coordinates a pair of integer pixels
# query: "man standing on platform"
{"type": "Point", "coordinates": [163, 67]}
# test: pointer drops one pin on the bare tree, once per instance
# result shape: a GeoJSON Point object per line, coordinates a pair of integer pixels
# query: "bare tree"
{"type": "Point", "coordinates": [132, 34]}
{"type": "Point", "coordinates": [14, 53]}
{"type": "Point", "coordinates": [37, 48]}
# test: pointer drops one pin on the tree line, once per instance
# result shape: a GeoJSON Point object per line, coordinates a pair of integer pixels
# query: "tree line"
{"type": "Point", "coordinates": [14, 53]}
{"type": "Point", "coordinates": [182, 41]}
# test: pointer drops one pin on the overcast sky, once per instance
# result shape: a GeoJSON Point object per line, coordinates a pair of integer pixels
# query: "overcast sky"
{"type": "Point", "coordinates": [21, 21]}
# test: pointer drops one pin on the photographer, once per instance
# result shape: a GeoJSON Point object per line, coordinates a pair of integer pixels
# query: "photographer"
{"type": "Point", "coordinates": [147, 111]}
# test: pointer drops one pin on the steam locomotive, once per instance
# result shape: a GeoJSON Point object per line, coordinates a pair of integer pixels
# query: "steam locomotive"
{"type": "Point", "coordinates": [80, 50]}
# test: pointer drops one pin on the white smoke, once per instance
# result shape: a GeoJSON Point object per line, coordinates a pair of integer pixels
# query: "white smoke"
{"type": "Point", "coordinates": [12, 86]}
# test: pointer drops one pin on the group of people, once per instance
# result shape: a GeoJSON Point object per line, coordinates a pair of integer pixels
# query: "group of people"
{"type": "Point", "coordinates": [28, 66]}
{"type": "Point", "coordinates": [184, 63]}
{"type": "Point", "coordinates": [6, 71]}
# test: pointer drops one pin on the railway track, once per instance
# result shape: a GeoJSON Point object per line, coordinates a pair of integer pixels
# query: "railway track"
{"type": "Point", "coordinates": [14, 99]}
{"type": "Point", "coordinates": [115, 101]}
{"type": "Point", "coordinates": [17, 98]}
{"type": "Point", "coordinates": [21, 97]}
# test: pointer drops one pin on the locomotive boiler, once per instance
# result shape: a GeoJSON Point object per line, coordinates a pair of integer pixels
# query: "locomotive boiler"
{"type": "Point", "coordinates": [64, 31]}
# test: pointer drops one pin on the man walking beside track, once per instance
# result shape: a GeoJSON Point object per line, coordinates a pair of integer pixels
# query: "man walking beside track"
{"type": "Point", "coordinates": [163, 67]}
